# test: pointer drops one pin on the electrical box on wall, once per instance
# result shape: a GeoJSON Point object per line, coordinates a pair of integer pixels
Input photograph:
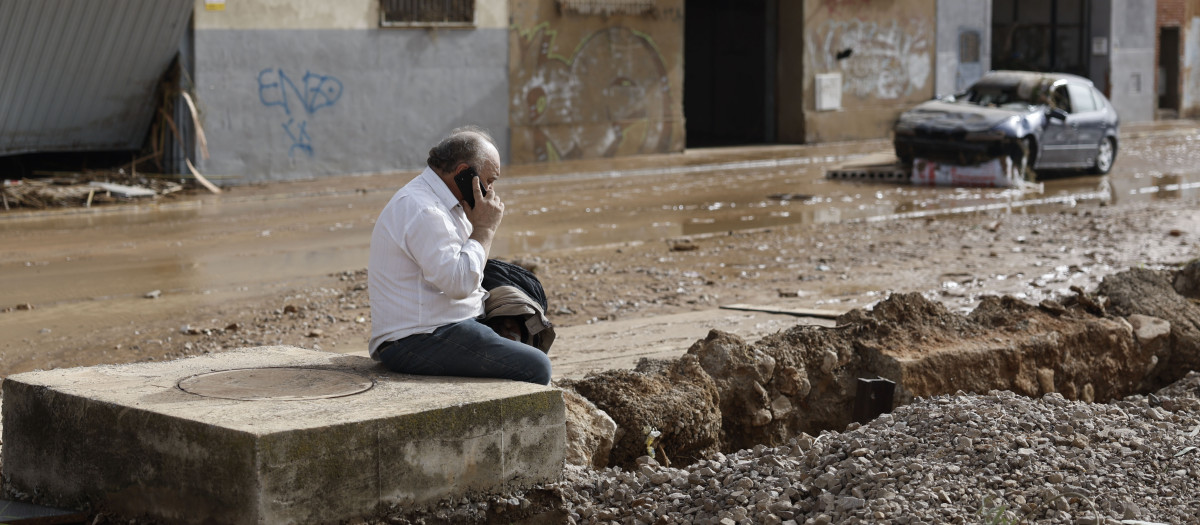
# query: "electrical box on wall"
{"type": "Point", "coordinates": [829, 91]}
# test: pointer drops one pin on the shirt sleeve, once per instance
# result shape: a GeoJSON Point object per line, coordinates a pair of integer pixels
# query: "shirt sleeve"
{"type": "Point", "coordinates": [451, 265]}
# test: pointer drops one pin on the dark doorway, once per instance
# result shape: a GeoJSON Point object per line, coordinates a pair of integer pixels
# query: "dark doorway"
{"type": "Point", "coordinates": [1168, 68]}
{"type": "Point", "coordinates": [729, 73]}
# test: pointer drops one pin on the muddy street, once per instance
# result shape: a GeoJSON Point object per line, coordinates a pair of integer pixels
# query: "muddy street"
{"type": "Point", "coordinates": [614, 241]}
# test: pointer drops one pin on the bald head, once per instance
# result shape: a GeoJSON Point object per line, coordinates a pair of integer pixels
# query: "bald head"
{"type": "Point", "coordinates": [471, 145]}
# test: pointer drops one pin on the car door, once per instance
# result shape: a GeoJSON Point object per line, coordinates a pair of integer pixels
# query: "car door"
{"type": "Point", "coordinates": [1087, 120]}
{"type": "Point", "coordinates": [1058, 139]}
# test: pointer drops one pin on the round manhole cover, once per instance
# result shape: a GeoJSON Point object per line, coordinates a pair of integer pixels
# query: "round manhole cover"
{"type": "Point", "coordinates": [261, 384]}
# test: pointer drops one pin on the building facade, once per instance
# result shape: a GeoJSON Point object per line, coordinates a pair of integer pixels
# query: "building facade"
{"type": "Point", "coordinates": [1177, 81]}
{"type": "Point", "coordinates": [295, 89]}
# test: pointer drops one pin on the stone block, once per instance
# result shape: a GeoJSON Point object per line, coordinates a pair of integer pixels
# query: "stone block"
{"type": "Point", "coordinates": [271, 435]}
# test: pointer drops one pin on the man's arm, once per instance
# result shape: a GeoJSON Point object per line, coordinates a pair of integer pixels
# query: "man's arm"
{"type": "Point", "coordinates": [453, 266]}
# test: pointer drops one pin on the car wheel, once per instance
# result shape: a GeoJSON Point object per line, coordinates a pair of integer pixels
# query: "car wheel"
{"type": "Point", "coordinates": [1106, 153]}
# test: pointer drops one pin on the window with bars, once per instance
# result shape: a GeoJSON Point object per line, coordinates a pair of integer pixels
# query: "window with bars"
{"type": "Point", "coordinates": [427, 13]}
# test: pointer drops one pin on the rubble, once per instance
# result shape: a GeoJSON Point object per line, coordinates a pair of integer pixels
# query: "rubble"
{"type": "Point", "coordinates": [961, 458]}
{"type": "Point", "coordinates": [84, 190]}
{"type": "Point", "coordinates": [997, 457]}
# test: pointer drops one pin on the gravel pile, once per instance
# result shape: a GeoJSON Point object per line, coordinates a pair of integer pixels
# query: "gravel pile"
{"type": "Point", "coordinates": [995, 458]}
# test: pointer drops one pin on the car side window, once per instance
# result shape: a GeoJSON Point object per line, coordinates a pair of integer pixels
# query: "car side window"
{"type": "Point", "coordinates": [1059, 99]}
{"type": "Point", "coordinates": [1098, 97]}
{"type": "Point", "coordinates": [1081, 98]}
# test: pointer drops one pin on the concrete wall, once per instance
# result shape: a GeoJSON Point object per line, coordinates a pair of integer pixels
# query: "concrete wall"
{"type": "Point", "coordinates": [1132, 68]}
{"type": "Point", "coordinates": [593, 85]}
{"type": "Point", "coordinates": [293, 89]}
{"type": "Point", "coordinates": [954, 19]}
{"type": "Point", "coordinates": [1189, 94]}
{"type": "Point", "coordinates": [1186, 15]}
{"type": "Point", "coordinates": [890, 67]}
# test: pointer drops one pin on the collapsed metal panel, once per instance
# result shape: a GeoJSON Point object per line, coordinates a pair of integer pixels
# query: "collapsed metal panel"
{"type": "Point", "coordinates": [78, 76]}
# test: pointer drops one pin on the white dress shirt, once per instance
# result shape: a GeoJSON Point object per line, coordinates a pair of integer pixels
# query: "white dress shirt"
{"type": "Point", "coordinates": [424, 272]}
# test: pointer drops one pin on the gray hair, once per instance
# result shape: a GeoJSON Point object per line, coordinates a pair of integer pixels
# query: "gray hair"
{"type": "Point", "coordinates": [465, 144]}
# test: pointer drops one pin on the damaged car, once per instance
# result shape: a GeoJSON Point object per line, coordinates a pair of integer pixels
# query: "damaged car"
{"type": "Point", "coordinates": [1040, 120]}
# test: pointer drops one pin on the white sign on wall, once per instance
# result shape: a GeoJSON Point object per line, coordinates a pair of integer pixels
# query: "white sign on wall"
{"type": "Point", "coordinates": [829, 91]}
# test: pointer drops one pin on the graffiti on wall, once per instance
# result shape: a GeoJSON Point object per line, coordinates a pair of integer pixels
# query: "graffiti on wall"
{"type": "Point", "coordinates": [610, 97]}
{"type": "Point", "coordinates": [301, 100]}
{"type": "Point", "coordinates": [885, 60]}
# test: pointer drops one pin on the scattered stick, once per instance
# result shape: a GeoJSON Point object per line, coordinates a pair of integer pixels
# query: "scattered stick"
{"type": "Point", "coordinates": [170, 122]}
{"type": "Point", "coordinates": [196, 122]}
{"type": "Point", "coordinates": [799, 312]}
{"type": "Point", "coordinates": [203, 181]}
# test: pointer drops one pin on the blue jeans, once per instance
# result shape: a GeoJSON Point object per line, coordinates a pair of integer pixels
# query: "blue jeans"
{"type": "Point", "coordinates": [466, 349]}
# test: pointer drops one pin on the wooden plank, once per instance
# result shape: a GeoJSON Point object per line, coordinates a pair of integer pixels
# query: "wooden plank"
{"type": "Point", "coordinates": [799, 312]}
{"type": "Point", "coordinates": [122, 190]}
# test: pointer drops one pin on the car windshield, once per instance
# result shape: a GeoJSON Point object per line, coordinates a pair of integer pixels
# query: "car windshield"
{"type": "Point", "coordinates": [997, 96]}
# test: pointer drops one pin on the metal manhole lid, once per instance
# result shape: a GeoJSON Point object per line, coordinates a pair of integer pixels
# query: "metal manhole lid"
{"type": "Point", "coordinates": [276, 384]}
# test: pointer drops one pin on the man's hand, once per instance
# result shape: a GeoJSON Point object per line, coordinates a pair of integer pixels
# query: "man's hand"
{"type": "Point", "coordinates": [485, 216]}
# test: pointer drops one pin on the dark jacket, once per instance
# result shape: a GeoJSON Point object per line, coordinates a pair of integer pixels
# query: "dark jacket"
{"type": "Point", "coordinates": [514, 291]}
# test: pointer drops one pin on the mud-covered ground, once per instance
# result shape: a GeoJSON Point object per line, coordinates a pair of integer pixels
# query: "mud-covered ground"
{"type": "Point", "coordinates": [954, 260]}
{"type": "Point", "coordinates": [1028, 254]}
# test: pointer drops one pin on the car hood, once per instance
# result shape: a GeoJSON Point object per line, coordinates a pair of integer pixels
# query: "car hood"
{"type": "Point", "coordinates": [937, 114]}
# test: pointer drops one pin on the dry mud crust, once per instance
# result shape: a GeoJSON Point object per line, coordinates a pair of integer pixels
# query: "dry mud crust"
{"type": "Point", "coordinates": [1004, 344]}
{"type": "Point", "coordinates": [672, 403]}
{"type": "Point", "coordinates": [804, 379]}
{"type": "Point", "coordinates": [1169, 295]}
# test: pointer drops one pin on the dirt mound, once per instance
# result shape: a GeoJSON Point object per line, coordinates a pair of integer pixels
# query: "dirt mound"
{"type": "Point", "coordinates": [729, 394]}
{"type": "Point", "coordinates": [739, 372]}
{"type": "Point", "coordinates": [1005, 344]}
{"type": "Point", "coordinates": [670, 408]}
{"type": "Point", "coordinates": [1167, 295]}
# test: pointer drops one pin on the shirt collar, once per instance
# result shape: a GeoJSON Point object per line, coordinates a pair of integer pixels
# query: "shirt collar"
{"type": "Point", "coordinates": [440, 190]}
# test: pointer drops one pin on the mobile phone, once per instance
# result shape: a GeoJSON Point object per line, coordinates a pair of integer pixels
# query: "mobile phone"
{"type": "Point", "coordinates": [463, 180]}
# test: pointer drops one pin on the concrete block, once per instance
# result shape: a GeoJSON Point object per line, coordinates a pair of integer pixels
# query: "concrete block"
{"type": "Point", "coordinates": [271, 435]}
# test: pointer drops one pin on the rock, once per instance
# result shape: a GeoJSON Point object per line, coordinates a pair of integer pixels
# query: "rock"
{"type": "Point", "coordinates": [1152, 333]}
{"type": "Point", "coordinates": [781, 406]}
{"type": "Point", "coordinates": [683, 246]}
{"type": "Point", "coordinates": [792, 381]}
{"type": "Point", "coordinates": [1045, 378]}
{"type": "Point", "coordinates": [153, 294]}
{"type": "Point", "coordinates": [1187, 280]}
{"type": "Point", "coordinates": [590, 432]}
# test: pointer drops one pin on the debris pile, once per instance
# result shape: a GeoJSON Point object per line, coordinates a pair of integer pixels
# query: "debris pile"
{"type": "Point", "coordinates": [84, 190]}
{"type": "Point", "coordinates": [963, 458]}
